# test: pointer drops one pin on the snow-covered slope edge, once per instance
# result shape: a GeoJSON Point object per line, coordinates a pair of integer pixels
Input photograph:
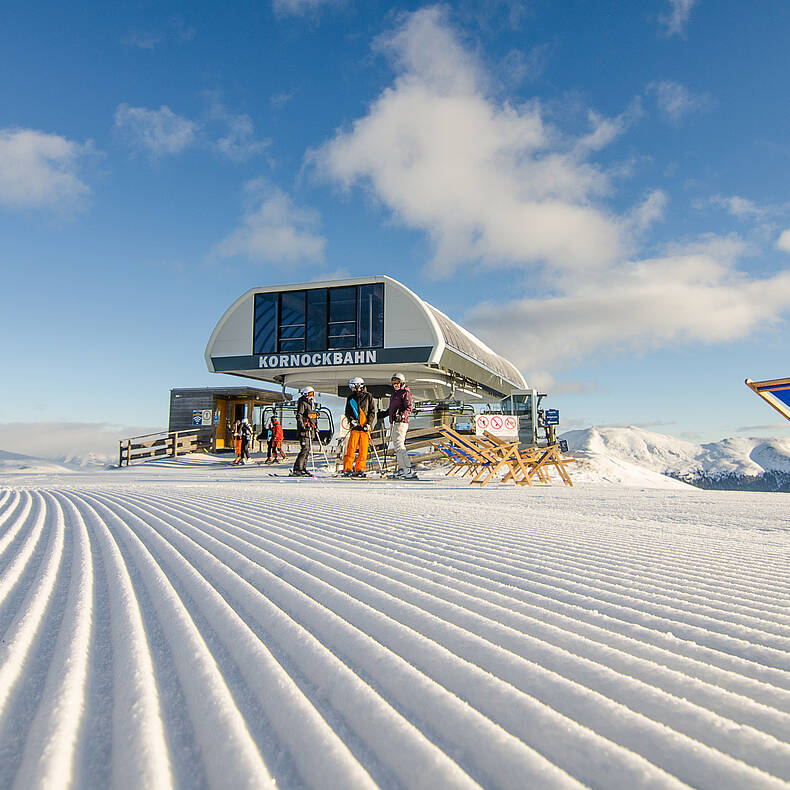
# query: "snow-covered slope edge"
{"type": "Point", "coordinates": [731, 464]}
{"type": "Point", "coordinates": [15, 463]}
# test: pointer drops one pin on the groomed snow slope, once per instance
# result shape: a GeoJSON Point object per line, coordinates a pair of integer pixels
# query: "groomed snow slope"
{"type": "Point", "coordinates": [182, 624]}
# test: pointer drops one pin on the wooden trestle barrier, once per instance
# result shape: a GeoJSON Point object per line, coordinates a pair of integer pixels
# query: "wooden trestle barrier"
{"type": "Point", "coordinates": [485, 456]}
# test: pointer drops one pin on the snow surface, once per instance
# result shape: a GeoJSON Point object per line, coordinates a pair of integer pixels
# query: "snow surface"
{"type": "Point", "coordinates": [184, 623]}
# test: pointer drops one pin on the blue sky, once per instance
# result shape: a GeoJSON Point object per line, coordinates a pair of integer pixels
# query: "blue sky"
{"type": "Point", "coordinates": [597, 189]}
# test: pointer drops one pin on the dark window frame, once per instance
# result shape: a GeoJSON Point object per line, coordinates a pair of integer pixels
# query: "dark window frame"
{"type": "Point", "coordinates": [258, 337]}
{"type": "Point", "coordinates": [329, 321]}
{"type": "Point", "coordinates": [373, 329]}
{"type": "Point", "coordinates": [293, 344]}
{"type": "Point", "coordinates": [302, 341]}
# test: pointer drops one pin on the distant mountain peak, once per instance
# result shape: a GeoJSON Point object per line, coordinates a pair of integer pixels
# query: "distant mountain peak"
{"type": "Point", "coordinates": [738, 461]}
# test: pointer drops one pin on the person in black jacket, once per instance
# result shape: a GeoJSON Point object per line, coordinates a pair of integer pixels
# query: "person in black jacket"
{"type": "Point", "coordinates": [246, 433]}
{"type": "Point", "coordinates": [361, 415]}
{"type": "Point", "coordinates": [306, 426]}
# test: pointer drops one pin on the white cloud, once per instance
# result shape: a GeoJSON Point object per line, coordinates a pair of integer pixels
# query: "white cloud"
{"type": "Point", "coordinates": [148, 40]}
{"type": "Point", "coordinates": [495, 184]}
{"type": "Point", "coordinates": [174, 30]}
{"type": "Point", "coordinates": [301, 7]}
{"type": "Point", "coordinates": [40, 170]}
{"type": "Point", "coordinates": [676, 20]}
{"type": "Point", "coordinates": [650, 210]}
{"type": "Point", "coordinates": [691, 295]}
{"type": "Point", "coordinates": [518, 66]}
{"type": "Point", "coordinates": [160, 132]}
{"type": "Point", "coordinates": [741, 207]}
{"type": "Point", "coordinates": [274, 231]}
{"type": "Point", "coordinates": [606, 130]}
{"type": "Point", "coordinates": [783, 242]}
{"type": "Point", "coordinates": [676, 101]}
{"type": "Point", "coordinates": [238, 142]}
{"type": "Point", "coordinates": [487, 182]}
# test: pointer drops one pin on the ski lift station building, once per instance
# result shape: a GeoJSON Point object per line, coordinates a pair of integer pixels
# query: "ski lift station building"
{"type": "Point", "coordinates": [322, 334]}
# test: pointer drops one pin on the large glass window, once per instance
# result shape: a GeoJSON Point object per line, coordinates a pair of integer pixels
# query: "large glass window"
{"type": "Point", "coordinates": [292, 320]}
{"type": "Point", "coordinates": [319, 319]}
{"type": "Point", "coordinates": [316, 319]}
{"type": "Point", "coordinates": [370, 316]}
{"type": "Point", "coordinates": [264, 338]}
{"type": "Point", "coordinates": [342, 317]}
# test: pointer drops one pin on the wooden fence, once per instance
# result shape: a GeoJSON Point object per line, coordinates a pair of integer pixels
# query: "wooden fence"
{"type": "Point", "coordinates": [166, 443]}
{"type": "Point", "coordinates": [381, 455]}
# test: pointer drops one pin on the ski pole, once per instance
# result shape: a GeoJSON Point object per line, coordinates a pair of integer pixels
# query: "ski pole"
{"type": "Point", "coordinates": [312, 457]}
{"type": "Point", "coordinates": [378, 460]}
{"type": "Point", "coordinates": [321, 447]}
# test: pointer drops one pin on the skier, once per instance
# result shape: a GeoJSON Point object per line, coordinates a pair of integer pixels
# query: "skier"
{"type": "Point", "coordinates": [400, 408]}
{"type": "Point", "coordinates": [306, 426]}
{"type": "Point", "coordinates": [274, 445]}
{"type": "Point", "coordinates": [245, 434]}
{"type": "Point", "coordinates": [237, 441]}
{"type": "Point", "coordinates": [361, 415]}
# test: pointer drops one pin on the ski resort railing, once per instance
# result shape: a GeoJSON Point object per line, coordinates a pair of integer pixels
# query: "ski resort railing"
{"type": "Point", "coordinates": [168, 443]}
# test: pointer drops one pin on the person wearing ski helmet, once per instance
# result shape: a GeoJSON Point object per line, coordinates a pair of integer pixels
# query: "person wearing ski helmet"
{"type": "Point", "coordinates": [274, 446]}
{"type": "Point", "coordinates": [401, 405]}
{"type": "Point", "coordinates": [246, 434]}
{"type": "Point", "coordinates": [361, 415]}
{"type": "Point", "coordinates": [306, 426]}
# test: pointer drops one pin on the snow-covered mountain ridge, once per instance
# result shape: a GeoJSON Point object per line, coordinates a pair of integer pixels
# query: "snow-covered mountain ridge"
{"type": "Point", "coordinates": [735, 463]}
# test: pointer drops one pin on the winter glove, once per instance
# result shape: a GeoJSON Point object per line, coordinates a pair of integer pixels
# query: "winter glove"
{"type": "Point", "coordinates": [354, 424]}
{"type": "Point", "coordinates": [366, 428]}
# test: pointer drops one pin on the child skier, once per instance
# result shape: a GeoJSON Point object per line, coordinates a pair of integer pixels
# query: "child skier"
{"type": "Point", "coordinates": [274, 445]}
{"type": "Point", "coordinates": [237, 441]}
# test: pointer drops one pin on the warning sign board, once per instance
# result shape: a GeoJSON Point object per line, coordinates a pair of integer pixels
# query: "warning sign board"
{"type": "Point", "coordinates": [497, 424]}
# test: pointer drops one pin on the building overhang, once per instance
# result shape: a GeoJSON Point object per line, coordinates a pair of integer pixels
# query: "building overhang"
{"type": "Point", "coordinates": [413, 340]}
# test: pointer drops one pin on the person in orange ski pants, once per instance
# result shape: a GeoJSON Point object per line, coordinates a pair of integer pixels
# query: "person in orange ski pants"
{"type": "Point", "coordinates": [361, 415]}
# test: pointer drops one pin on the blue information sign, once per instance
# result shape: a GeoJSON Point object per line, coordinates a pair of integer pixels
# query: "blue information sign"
{"type": "Point", "coordinates": [552, 416]}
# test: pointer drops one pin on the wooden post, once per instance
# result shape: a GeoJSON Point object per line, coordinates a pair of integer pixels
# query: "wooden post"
{"type": "Point", "coordinates": [175, 444]}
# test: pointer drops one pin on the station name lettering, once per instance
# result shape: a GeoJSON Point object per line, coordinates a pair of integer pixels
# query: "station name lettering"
{"type": "Point", "coordinates": [318, 359]}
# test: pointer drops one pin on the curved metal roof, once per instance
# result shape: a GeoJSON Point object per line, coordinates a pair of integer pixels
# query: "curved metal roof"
{"type": "Point", "coordinates": [439, 356]}
{"type": "Point", "coordinates": [457, 338]}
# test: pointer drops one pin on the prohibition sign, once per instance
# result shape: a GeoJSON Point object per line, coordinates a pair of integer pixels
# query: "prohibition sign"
{"type": "Point", "coordinates": [511, 423]}
{"type": "Point", "coordinates": [496, 423]}
{"type": "Point", "coordinates": [482, 421]}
